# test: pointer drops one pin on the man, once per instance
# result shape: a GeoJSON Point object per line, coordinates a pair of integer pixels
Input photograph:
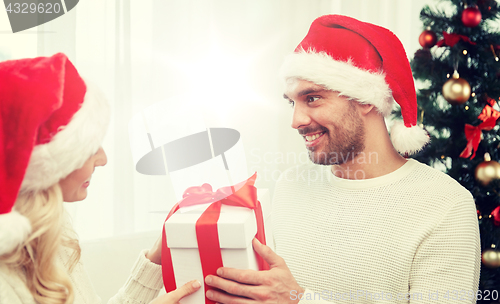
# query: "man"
{"type": "Point", "coordinates": [371, 225]}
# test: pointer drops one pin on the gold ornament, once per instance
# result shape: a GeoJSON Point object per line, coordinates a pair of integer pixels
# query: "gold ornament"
{"type": "Point", "coordinates": [487, 170]}
{"type": "Point", "coordinates": [491, 258]}
{"type": "Point", "coordinates": [456, 90]}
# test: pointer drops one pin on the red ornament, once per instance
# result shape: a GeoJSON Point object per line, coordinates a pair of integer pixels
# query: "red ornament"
{"type": "Point", "coordinates": [496, 216]}
{"type": "Point", "coordinates": [427, 39]}
{"type": "Point", "coordinates": [471, 17]}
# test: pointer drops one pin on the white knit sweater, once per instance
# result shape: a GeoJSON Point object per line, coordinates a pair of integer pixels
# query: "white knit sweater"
{"type": "Point", "coordinates": [142, 286]}
{"type": "Point", "coordinates": [413, 231]}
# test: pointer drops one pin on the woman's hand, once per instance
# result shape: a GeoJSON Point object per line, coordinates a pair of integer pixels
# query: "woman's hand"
{"type": "Point", "coordinates": [175, 296]}
{"type": "Point", "coordinates": [154, 254]}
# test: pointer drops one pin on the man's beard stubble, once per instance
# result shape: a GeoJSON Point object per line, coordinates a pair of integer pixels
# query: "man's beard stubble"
{"type": "Point", "coordinates": [347, 144]}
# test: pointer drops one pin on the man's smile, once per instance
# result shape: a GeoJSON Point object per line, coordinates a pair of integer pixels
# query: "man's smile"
{"type": "Point", "coordinates": [313, 139]}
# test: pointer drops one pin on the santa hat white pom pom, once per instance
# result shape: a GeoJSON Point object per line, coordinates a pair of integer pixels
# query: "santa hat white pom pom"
{"type": "Point", "coordinates": [406, 140]}
{"type": "Point", "coordinates": [14, 229]}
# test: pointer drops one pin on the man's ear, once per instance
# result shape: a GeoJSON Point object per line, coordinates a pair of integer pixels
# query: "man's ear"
{"type": "Point", "coordinates": [364, 109]}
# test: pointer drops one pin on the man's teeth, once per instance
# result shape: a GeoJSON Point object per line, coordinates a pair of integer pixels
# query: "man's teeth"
{"type": "Point", "coordinates": [313, 137]}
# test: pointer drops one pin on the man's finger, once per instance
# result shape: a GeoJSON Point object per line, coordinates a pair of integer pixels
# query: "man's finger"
{"type": "Point", "coordinates": [184, 290]}
{"type": "Point", "coordinates": [267, 254]}
{"type": "Point", "coordinates": [220, 297]}
{"type": "Point", "coordinates": [249, 277]}
{"type": "Point", "coordinates": [229, 286]}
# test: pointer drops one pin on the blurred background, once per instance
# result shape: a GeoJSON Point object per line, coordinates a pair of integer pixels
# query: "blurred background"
{"type": "Point", "coordinates": [225, 53]}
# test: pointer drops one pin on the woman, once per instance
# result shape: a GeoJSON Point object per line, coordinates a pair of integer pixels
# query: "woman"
{"type": "Point", "coordinates": [51, 127]}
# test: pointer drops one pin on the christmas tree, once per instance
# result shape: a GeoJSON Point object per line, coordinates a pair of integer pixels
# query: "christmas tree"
{"type": "Point", "coordinates": [458, 80]}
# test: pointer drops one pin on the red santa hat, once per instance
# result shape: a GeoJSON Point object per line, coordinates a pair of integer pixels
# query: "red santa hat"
{"type": "Point", "coordinates": [51, 122]}
{"type": "Point", "coordinates": [363, 62]}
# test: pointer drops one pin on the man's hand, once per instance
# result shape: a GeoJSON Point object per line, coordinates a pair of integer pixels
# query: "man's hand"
{"type": "Point", "coordinates": [250, 286]}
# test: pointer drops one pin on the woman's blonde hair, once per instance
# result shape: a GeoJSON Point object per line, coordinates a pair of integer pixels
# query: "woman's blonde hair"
{"type": "Point", "coordinates": [47, 280]}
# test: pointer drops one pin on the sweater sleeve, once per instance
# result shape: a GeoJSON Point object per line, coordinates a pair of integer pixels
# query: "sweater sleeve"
{"type": "Point", "coordinates": [446, 265]}
{"type": "Point", "coordinates": [143, 285]}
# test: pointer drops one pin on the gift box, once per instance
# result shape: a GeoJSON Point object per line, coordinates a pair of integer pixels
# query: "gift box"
{"type": "Point", "coordinates": [205, 230]}
{"type": "Point", "coordinates": [236, 228]}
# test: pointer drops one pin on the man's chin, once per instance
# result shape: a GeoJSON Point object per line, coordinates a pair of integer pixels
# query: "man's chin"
{"type": "Point", "coordinates": [320, 159]}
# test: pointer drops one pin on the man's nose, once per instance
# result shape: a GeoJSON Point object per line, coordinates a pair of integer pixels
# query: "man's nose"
{"type": "Point", "coordinates": [300, 116]}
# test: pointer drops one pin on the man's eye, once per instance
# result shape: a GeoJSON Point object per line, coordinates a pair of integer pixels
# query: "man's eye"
{"type": "Point", "coordinates": [311, 98]}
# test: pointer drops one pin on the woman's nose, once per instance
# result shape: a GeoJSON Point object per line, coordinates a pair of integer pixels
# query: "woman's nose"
{"type": "Point", "coordinates": [102, 159]}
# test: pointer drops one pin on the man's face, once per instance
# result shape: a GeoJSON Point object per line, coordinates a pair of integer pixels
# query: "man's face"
{"type": "Point", "coordinates": [330, 124]}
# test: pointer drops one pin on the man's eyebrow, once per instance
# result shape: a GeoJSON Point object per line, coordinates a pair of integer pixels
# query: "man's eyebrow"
{"type": "Point", "coordinates": [310, 90]}
{"type": "Point", "coordinates": [307, 91]}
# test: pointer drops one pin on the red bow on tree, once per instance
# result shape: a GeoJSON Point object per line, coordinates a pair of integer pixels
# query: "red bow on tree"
{"type": "Point", "coordinates": [473, 135]}
{"type": "Point", "coordinates": [488, 111]}
{"type": "Point", "coordinates": [452, 39]}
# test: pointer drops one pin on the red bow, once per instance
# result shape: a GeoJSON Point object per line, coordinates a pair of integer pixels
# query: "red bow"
{"type": "Point", "coordinates": [488, 111]}
{"type": "Point", "coordinates": [473, 135]}
{"type": "Point", "coordinates": [452, 39]}
{"type": "Point", "coordinates": [206, 226]}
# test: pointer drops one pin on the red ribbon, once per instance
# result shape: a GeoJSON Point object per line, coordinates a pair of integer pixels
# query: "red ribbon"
{"type": "Point", "coordinates": [488, 111]}
{"type": "Point", "coordinates": [473, 135]}
{"type": "Point", "coordinates": [206, 227]}
{"type": "Point", "coordinates": [452, 39]}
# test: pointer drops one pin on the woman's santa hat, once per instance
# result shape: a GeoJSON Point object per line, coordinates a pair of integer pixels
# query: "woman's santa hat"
{"type": "Point", "coordinates": [51, 122]}
{"type": "Point", "coordinates": [364, 62]}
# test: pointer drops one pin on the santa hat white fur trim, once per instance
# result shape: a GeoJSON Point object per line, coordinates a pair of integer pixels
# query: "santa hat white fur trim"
{"type": "Point", "coordinates": [408, 140]}
{"type": "Point", "coordinates": [14, 229]}
{"type": "Point", "coordinates": [70, 147]}
{"type": "Point", "coordinates": [350, 81]}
